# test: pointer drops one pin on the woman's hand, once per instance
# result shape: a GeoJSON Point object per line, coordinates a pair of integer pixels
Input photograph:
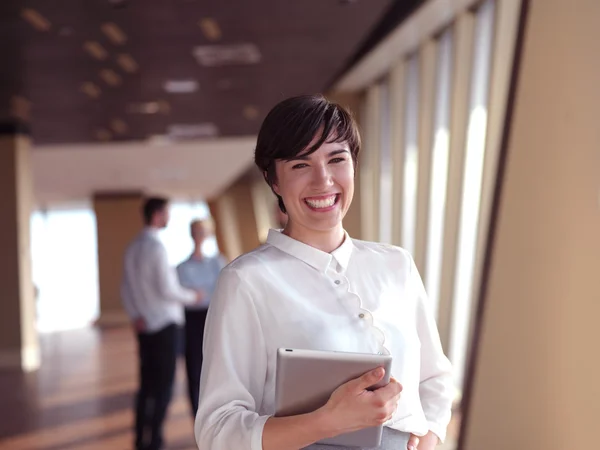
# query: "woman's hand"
{"type": "Point", "coordinates": [427, 442]}
{"type": "Point", "coordinates": [352, 407]}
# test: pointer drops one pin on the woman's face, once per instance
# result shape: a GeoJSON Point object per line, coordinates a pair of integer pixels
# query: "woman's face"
{"type": "Point", "coordinates": [317, 189]}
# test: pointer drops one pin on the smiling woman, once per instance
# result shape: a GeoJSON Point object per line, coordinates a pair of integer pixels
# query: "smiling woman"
{"type": "Point", "coordinates": [313, 177]}
{"type": "Point", "coordinates": [311, 286]}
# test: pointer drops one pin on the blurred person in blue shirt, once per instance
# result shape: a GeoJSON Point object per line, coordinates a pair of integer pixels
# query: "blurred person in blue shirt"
{"type": "Point", "coordinates": [198, 272]}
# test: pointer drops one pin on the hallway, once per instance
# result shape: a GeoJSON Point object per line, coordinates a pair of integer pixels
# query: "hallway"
{"type": "Point", "coordinates": [81, 398]}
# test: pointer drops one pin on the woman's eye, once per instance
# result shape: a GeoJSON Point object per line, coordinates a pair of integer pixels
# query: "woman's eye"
{"type": "Point", "coordinates": [338, 160]}
{"type": "Point", "coordinates": [299, 166]}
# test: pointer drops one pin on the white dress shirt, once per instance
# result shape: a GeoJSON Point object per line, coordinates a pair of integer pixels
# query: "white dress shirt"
{"type": "Point", "coordinates": [150, 288]}
{"type": "Point", "coordinates": [363, 297]}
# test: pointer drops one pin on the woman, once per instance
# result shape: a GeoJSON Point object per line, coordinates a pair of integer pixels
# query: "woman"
{"type": "Point", "coordinates": [313, 287]}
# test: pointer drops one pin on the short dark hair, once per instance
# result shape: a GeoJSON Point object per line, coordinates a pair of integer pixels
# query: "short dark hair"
{"type": "Point", "coordinates": [152, 205]}
{"type": "Point", "coordinates": [291, 126]}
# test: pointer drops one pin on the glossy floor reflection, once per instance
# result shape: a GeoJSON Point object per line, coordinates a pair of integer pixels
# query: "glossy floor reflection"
{"type": "Point", "coordinates": [82, 396]}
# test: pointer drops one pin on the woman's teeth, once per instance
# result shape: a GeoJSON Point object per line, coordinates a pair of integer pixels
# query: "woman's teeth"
{"type": "Point", "coordinates": [322, 202]}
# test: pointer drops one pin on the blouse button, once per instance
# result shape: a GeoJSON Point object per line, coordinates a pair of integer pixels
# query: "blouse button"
{"type": "Point", "coordinates": [337, 281]}
{"type": "Point", "coordinates": [361, 315]}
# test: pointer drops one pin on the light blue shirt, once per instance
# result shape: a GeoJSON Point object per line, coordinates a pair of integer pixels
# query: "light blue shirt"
{"type": "Point", "coordinates": [201, 274]}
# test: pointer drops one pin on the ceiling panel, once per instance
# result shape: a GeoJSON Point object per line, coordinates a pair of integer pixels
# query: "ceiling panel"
{"type": "Point", "coordinates": [303, 44]}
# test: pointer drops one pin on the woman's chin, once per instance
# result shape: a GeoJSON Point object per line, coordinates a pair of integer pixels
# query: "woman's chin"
{"type": "Point", "coordinates": [322, 224]}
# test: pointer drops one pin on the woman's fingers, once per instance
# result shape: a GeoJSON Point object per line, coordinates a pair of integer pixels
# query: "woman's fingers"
{"type": "Point", "coordinates": [366, 381]}
{"type": "Point", "coordinates": [413, 442]}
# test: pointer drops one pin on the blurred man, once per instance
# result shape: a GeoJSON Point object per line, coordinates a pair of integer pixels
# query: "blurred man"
{"type": "Point", "coordinates": [201, 273]}
{"type": "Point", "coordinates": [153, 299]}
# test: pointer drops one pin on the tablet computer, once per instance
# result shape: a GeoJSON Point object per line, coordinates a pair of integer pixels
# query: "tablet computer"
{"type": "Point", "coordinates": [305, 379]}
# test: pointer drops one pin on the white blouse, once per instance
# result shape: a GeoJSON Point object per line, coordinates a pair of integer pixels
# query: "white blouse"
{"type": "Point", "coordinates": [363, 297]}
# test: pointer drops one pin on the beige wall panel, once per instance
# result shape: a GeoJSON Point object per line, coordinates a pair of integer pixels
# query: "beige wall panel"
{"type": "Point", "coordinates": [118, 221]}
{"type": "Point", "coordinates": [18, 335]}
{"type": "Point", "coordinates": [534, 385]}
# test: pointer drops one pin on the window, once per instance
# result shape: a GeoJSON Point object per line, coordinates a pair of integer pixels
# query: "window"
{"type": "Point", "coordinates": [409, 205]}
{"type": "Point", "coordinates": [439, 170]}
{"type": "Point", "coordinates": [176, 236]}
{"type": "Point", "coordinates": [65, 267]}
{"type": "Point", "coordinates": [471, 189]}
{"type": "Point", "coordinates": [385, 159]}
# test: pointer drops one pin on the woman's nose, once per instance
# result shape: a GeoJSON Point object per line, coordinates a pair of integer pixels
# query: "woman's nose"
{"type": "Point", "coordinates": [322, 176]}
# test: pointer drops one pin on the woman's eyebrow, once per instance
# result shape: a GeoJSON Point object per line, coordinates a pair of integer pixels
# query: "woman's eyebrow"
{"type": "Point", "coordinates": [337, 152]}
{"type": "Point", "coordinates": [306, 157]}
{"type": "Point", "coordinates": [299, 158]}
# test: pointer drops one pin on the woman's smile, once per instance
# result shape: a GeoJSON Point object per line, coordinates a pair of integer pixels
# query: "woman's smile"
{"type": "Point", "coordinates": [322, 203]}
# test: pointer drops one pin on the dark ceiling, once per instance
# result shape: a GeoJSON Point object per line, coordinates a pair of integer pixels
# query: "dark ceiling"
{"type": "Point", "coordinates": [302, 44]}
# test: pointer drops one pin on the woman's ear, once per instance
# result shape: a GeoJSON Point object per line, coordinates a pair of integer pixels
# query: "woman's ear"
{"type": "Point", "coordinates": [272, 185]}
{"type": "Point", "coordinates": [275, 188]}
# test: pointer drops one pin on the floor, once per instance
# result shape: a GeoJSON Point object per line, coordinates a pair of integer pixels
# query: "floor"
{"type": "Point", "coordinates": [82, 397]}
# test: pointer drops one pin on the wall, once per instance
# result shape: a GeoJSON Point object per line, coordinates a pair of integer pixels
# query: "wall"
{"type": "Point", "coordinates": [18, 336]}
{"type": "Point", "coordinates": [235, 215]}
{"type": "Point", "coordinates": [119, 219]}
{"type": "Point", "coordinates": [535, 383]}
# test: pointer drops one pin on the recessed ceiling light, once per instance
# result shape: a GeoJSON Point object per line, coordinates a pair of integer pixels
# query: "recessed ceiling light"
{"type": "Point", "coordinates": [159, 139]}
{"type": "Point", "coordinates": [91, 89]}
{"type": "Point", "coordinates": [118, 126]}
{"type": "Point", "coordinates": [210, 28]}
{"type": "Point", "coordinates": [144, 108]}
{"type": "Point", "coordinates": [95, 50]}
{"type": "Point", "coordinates": [180, 86]}
{"type": "Point", "coordinates": [250, 112]}
{"type": "Point", "coordinates": [226, 55]}
{"type": "Point", "coordinates": [127, 63]}
{"type": "Point", "coordinates": [110, 77]}
{"type": "Point", "coordinates": [35, 19]}
{"type": "Point", "coordinates": [192, 131]}
{"type": "Point", "coordinates": [103, 134]}
{"type": "Point", "coordinates": [20, 108]}
{"type": "Point", "coordinates": [160, 106]}
{"type": "Point", "coordinates": [114, 33]}
{"type": "Point", "coordinates": [164, 107]}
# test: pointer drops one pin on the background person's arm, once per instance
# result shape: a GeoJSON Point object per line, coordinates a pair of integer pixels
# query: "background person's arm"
{"type": "Point", "coordinates": [166, 279]}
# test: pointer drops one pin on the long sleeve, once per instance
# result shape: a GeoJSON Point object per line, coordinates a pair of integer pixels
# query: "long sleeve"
{"type": "Point", "coordinates": [128, 297]}
{"type": "Point", "coordinates": [167, 280]}
{"type": "Point", "coordinates": [436, 385]}
{"type": "Point", "coordinates": [233, 371]}
{"type": "Point", "coordinates": [128, 301]}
